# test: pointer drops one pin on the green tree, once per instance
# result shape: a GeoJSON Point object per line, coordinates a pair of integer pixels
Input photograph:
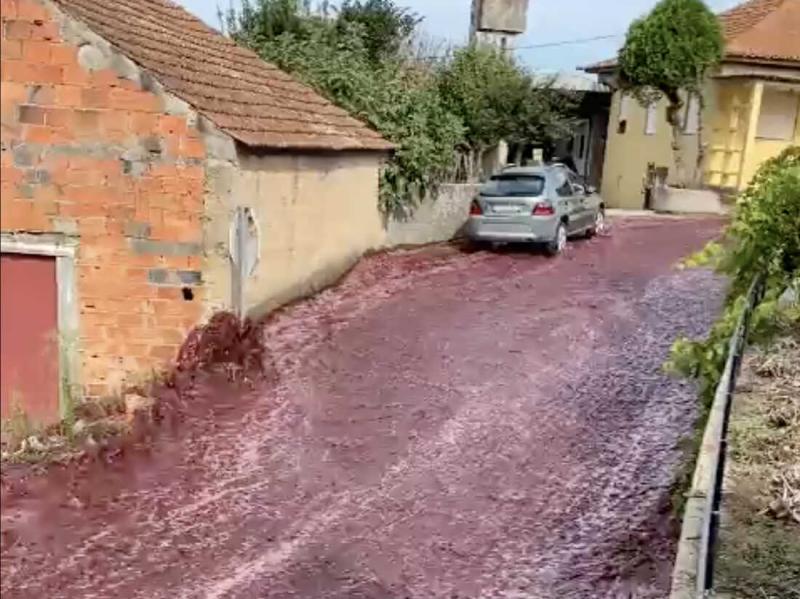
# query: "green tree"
{"type": "Point", "coordinates": [259, 20]}
{"type": "Point", "coordinates": [499, 100]}
{"type": "Point", "coordinates": [668, 52]}
{"type": "Point", "coordinates": [386, 27]}
{"type": "Point", "coordinates": [542, 115]}
{"type": "Point", "coordinates": [335, 56]}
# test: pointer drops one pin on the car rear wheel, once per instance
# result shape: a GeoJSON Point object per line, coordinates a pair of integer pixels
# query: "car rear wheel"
{"type": "Point", "coordinates": [559, 242]}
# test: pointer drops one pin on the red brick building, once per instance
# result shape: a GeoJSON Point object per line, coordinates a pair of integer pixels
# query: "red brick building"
{"type": "Point", "coordinates": [130, 131]}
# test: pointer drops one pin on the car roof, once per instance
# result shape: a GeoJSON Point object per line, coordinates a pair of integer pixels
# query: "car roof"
{"type": "Point", "coordinates": [525, 170]}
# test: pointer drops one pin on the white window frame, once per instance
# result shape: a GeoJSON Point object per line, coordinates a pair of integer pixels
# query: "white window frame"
{"type": "Point", "coordinates": [651, 118]}
{"type": "Point", "coordinates": [63, 250]}
{"type": "Point", "coordinates": [624, 107]}
{"type": "Point", "coordinates": [691, 116]}
{"type": "Point", "coordinates": [766, 130]}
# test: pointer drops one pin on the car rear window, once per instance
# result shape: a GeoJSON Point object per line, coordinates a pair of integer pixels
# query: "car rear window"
{"type": "Point", "coordinates": [514, 185]}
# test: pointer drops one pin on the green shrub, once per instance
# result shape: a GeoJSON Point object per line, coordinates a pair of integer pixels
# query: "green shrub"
{"type": "Point", "coordinates": [357, 56]}
{"type": "Point", "coordinates": [763, 240]}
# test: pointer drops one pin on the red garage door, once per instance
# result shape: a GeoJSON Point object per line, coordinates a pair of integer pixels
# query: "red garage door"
{"type": "Point", "coordinates": [29, 337]}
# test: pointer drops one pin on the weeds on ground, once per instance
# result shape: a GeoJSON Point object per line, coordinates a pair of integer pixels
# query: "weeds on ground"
{"type": "Point", "coordinates": [760, 539]}
{"type": "Point", "coordinates": [91, 423]}
{"type": "Point", "coordinates": [225, 343]}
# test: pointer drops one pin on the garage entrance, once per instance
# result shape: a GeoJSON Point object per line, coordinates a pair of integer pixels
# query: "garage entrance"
{"type": "Point", "coordinates": [29, 343]}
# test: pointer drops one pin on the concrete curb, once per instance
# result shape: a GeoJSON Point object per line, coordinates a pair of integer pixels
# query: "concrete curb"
{"type": "Point", "coordinates": [692, 576]}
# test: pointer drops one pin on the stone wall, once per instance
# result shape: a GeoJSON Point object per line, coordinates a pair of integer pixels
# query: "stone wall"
{"type": "Point", "coordinates": [94, 153]}
{"type": "Point", "coordinates": [435, 220]}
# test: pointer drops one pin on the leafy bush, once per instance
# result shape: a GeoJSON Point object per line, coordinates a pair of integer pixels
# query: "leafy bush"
{"type": "Point", "coordinates": [386, 26]}
{"type": "Point", "coordinates": [499, 100]}
{"type": "Point", "coordinates": [356, 56]}
{"type": "Point", "coordinates": [762, 240]}
{"type": "Point", "coordinates": [344, 60]}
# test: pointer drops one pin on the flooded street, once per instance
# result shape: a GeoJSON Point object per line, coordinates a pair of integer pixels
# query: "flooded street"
{"type": "Point", "coordinates": [443, 424]}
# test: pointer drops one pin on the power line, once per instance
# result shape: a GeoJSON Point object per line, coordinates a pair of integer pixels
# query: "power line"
{"type": "Point", "coordinates": [582, 40]}
{"type": "Point", "coordinates": [568, 42]}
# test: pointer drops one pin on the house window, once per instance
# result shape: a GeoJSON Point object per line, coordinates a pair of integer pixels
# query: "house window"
{"type": "Point", "coordinates": [778, 115]}
{"type": "Point", "coordinates": [650, 119]}
{"type": "Point", "coordinates": [691, 117]}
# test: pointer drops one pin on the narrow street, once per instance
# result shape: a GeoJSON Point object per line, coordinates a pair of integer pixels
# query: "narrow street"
{"type": "Point", "coordinates": [443, 424]}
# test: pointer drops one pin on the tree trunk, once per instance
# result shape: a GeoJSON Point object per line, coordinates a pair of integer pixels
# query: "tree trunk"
{"type": "Point", "coordinates": [701, 147]}
{"type": "Point", "coordinates": [674, 119]}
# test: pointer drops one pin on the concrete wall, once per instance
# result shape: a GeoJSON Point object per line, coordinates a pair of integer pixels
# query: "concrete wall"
{"type": "Point", "coordinates": [97, 159]}
{"type": "Point", "coordinates": [316, 215]}
{"type": "Point", "coordinates": [438, 219]}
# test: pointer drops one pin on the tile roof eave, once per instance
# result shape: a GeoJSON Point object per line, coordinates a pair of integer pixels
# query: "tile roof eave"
{"type": "Point", "coordinates": [283, 112]}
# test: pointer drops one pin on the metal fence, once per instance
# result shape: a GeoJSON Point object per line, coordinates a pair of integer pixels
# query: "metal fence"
{"type": "Point", "coordinates": [693, 576]}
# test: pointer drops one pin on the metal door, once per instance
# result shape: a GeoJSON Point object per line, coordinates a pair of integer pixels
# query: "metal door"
{"type": "Point", "coordinates": [29, 360]}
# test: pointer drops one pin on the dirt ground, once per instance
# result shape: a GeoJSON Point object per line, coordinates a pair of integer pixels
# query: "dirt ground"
{"type": "Point", "coordinates": [442, 424]}
{"type": "Point", "coordinates": [760, 538]}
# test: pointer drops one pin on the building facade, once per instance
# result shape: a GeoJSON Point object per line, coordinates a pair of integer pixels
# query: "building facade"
{"type": "Point", "coordinates": [133, 139]}
{"type": "Point", "coordinates": [752, 103]}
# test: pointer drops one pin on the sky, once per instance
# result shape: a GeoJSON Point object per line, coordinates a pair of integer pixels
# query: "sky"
{"type": "Point", "coordinates": [549, 21]}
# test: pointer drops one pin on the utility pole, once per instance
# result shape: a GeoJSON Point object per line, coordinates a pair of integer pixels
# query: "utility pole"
{"type": "Point", "coordinates": [498, 22]}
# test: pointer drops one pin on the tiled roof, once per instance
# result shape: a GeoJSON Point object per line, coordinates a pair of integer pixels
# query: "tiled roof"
{"type": "Point", "coordinates": [603, 66]}
{"type": "Point", "coordinates": [251, 100]}
{"type": "Point", "coordinates": [757, 29]}
{"type": "Point", "coordinates": [763, 29]}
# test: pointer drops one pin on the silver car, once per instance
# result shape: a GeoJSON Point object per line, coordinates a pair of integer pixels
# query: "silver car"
{"type": "Point", "coordinates": [543, 204]}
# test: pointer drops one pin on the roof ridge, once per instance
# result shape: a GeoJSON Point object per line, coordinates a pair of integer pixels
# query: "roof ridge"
{"type": "Point", "coordinates": [217, 76]}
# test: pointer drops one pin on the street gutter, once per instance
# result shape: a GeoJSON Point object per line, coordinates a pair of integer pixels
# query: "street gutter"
{"type": "Point", "coordinates": [693, 573]}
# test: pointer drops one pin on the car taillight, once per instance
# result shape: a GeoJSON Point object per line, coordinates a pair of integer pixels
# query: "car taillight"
{"type": "Point", "coordinates": [543, 210]}
{"type": "Point", "coordinates": [475, 208]}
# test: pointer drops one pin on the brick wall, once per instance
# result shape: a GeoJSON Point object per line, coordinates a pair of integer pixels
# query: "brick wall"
{"type": "Point", "coordinates": [90, 154]}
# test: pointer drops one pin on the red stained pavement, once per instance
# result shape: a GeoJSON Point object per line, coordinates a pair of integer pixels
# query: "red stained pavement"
{"type": "Point", "coordinates": [444, 424]}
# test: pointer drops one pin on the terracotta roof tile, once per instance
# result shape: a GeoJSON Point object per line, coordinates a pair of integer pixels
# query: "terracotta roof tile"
{"type": "Point", "coordinates": [252, 100]}
{"type": "Point", "coordinates": [763, 29]}
{"type": "Point", "coordinates": [757, 29]}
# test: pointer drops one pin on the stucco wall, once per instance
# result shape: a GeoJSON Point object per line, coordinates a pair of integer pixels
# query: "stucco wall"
{"type": "Point", "coordinates": [764, 149]}
{"type": "Point", "coordinates": [629, 153]}
{"type": "Point", "coordinates": [436, 219]}
{"type": "Point", "coordinates": [734, 150]}
{"type": "Point", "coordinates": [316, 214]}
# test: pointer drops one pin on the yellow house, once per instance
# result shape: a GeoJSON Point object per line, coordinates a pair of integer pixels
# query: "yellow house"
{"type": "Point", "coordinates": [751, 111]}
